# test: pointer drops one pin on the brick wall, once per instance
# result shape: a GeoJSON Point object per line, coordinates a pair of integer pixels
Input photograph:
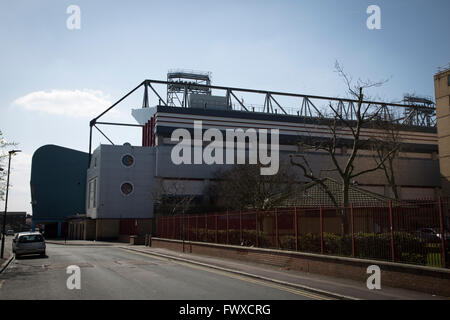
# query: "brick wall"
{"type": "Point", "coordinates": [107, 229]}
{"type": "Point", "coordinates": [425, 279]}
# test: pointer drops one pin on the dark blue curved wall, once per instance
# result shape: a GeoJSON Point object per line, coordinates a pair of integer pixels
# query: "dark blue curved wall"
{"type": "Point", "coordinates": [58, 184]}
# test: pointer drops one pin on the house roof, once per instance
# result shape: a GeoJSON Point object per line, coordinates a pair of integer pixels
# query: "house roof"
{"type": "Point", "coordinates": [313, 194]}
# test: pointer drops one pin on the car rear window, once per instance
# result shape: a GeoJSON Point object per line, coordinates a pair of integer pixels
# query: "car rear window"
{"type": "Point", "coordinates": [31, 238]}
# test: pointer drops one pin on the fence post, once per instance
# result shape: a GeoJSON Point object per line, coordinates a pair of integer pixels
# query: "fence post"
{"type": "Point", "coordinates": [228, 224]}
{"type": "Point", "coordinates": [196, 228]}
{"type": "Point", "coordinates": [188, 229]}
{"type": "Point", "coordinates": [276, 229]}
{"type": "Point", "coordinates": [256, 228]}
{"type": "Point", "coordinates": [441, 224]}
{"type": "Point", "coordinates": [321, 230]}
{"type": "Point", "coordinates": [182, 233]}
{"type": "Point", "coordinates": [216, 228]}
{"type": "Point", "coordinates": [353, 230]}
{"type": "Point", "coordinates": [296, 228]}
{"type": "Point", "coordinates": [206, 227]}
{"type": "Point", "coordinates": [240, 225]}
{"type": "Point", "coordinates": [173, 226]}
{"type": "Point", "coordinates": [392, 230]}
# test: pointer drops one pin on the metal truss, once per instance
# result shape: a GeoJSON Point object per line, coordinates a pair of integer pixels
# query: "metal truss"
{"type": "Point", "coordinates": [308, 108]}
{"type": "Point", "coordinates": [421, 111]}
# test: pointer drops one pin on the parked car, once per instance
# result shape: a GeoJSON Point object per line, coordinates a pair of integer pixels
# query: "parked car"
{"type": "Point", "coordinates": [431, 235]}
{"type": "Point", "coordinates": [28, 243]}
{"type": "Point", "coordinates": [10, 232]}
{"type": "Point", "coordinates": [446, 235]}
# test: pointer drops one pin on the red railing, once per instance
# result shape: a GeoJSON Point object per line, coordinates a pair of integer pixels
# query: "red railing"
{"type": "Point", "coordinates": [416, 233]}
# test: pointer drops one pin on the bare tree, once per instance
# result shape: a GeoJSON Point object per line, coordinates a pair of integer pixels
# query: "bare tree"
{"type": "Point", "coordinates": [3, 165]}
{"type": "Point", "coordinates": [172, 197]}
{"type": "Point", "coordinates": [243, 187]}
{"type": "Point", "coordinates": [337, 122]}
{"type": "Point", "coordinates": [390, 141]}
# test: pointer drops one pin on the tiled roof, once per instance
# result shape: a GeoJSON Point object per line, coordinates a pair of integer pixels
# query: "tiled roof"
{"type": "Point", "coordinates": [314, 194]}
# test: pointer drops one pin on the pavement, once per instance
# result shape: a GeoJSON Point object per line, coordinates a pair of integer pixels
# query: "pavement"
{"type": "Point", "coordinates": [110, 272]}
{"type": "Point", "coordinates": [7, 255]}
{"type": "Point", "coordinates": [85, 242]}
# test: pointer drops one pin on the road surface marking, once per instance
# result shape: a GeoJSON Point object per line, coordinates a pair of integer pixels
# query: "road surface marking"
{"type": "Point", "coordinates": [1, 283]}
{"type": "Point", "coordinates": [260, 282]}
{"type": "Point", "coordinates": [238, 277]}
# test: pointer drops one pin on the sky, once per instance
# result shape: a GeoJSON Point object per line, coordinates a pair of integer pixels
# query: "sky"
{"type": "Point", "coordinates": [53, 79]}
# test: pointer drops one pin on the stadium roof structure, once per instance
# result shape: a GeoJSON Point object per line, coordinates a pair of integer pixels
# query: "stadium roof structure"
{"type": "Point", "coordinates": [302, 106]}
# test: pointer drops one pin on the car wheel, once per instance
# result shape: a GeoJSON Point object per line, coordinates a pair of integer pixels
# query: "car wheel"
{"type": "Point", "coordinates": [43, 254]}
{"type": "Point", "coordinates": [17, 256]}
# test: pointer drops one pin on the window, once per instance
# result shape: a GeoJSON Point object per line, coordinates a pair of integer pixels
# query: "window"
{"type": "Point", "coordinates": [448, 80]}
{"type": "Point", "coordinates": [31, 238]}
{"type": "Point", "coordinates": [89, 195]}
{"type": "Point", "coordinates": [92, 196]}
{"type": "Point", "coordinates": [127, 160]}
{"type": "Point", "coordinates": [95, 194]}
{"type": "Point", "coordinates": [126, 188]}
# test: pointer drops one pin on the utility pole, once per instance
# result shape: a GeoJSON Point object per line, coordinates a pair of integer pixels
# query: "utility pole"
{"type": "Point", "coordinates": [6, 202]}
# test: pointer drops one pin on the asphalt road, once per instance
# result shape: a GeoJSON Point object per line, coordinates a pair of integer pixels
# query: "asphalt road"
{"type": "Point", "coordinates": [115, 273]}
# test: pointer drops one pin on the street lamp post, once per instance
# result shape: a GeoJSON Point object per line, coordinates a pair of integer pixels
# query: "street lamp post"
{"type": "Point", "coordinates": [6, 201]}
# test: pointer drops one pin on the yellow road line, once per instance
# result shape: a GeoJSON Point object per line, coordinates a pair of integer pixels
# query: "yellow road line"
{"type": "Point", "coordinates": [256, 281]}
{"type": "Point", "coordinates": [243, 278]}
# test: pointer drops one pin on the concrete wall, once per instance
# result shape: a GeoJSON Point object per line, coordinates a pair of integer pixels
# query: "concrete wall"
{"type": "Point", "coordinates": [425, 279]}
{"type": "Point", "coordinates": [111, 173]}
{"type": "Point", "coordinates": [58, 182]}
{"type": "Point", "coordinates": [422, 183]}
{"type": "Point", "coordinates": [418, 177]}
{"type": "Point", "coordinates": [442, 94]}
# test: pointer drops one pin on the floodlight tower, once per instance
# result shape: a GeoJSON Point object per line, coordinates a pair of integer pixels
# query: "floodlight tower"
{"type": "Point", "coordinates": [182, 82]}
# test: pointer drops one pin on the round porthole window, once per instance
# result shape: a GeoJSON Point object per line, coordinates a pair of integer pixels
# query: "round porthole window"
{"type": "Point", "coordinates": [126, 188]}
{"type": "Point", "coordinates": [127, 160]}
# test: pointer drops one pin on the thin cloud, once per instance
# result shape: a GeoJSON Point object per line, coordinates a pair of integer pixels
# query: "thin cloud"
{"type": "Point", "coordinates": [72, 103]}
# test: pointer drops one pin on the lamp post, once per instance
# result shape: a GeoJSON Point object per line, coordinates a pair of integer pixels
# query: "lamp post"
{"type": "Point", "coordinates": [6, 201]}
